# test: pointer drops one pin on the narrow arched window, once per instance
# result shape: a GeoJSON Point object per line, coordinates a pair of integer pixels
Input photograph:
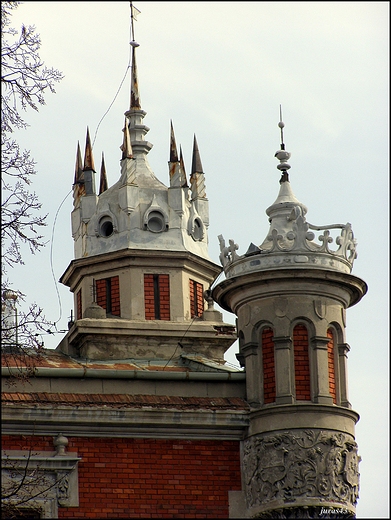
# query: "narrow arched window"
{"type": "Point", "coordinates": [269, 376]}
{"type": "Point", "coordinates": [79, 308]}
{"type": "Point", "coordinates": [157, 296]}
{"type": "Point", "coordinates": [107, 295]}
{"type": "Point", "coordinates": [302, 363]}
{"type": "Point", "coordinates": [330, 354]}
{"type": "Point", "coordinates": [196, 299]}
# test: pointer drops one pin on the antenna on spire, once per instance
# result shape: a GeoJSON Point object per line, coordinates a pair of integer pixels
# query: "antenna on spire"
{"type": "Point", "coordinates": [134, 12]}
{"type": "Point", "coordinates": [281, 125]}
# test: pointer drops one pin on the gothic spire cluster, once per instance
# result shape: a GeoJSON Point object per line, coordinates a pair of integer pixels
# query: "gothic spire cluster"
{"type": "Point", "coordinates": [175, 217]}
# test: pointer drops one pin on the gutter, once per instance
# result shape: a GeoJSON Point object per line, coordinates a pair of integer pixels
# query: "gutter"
{"type": "Point", "coordinates": [94, 373]}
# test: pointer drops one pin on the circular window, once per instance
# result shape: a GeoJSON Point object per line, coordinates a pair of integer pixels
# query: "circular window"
{"type": "Point", "coordinates": [106, 227]}
{"type": "Point", "coordinates": [198, 231]}
{"type": "Point", "coordinates": [155, 222]}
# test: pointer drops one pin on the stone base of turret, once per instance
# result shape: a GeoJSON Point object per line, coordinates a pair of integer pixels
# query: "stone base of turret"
{"type": "Point", "coordinates": [301, 473]}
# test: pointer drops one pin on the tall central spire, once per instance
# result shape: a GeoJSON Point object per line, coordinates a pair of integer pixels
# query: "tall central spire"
{"type": "Point", "coordinates": [137, 130]}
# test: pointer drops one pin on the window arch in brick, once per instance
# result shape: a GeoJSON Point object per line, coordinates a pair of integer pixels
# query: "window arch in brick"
{"type": "Point", "coordinates": [331, 365]}
{"type": "Point", "coordinates": [302, 363]}
{"type": "Point", "coordinates": [269, 375]}
{"type": "Point", "coordinates": [157, 296]}
{"type": "Point", "coordinates": [196, 299]}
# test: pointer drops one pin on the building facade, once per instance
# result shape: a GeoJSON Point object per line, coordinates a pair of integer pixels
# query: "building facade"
{"type": "Point", "coordinates": [136, 414]}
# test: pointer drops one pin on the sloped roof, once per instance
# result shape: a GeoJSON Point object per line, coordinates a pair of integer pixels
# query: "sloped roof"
{"type": "Point", "coordinates": [47, 358]}
{"type": "Point", "coordinates": [124, 400]}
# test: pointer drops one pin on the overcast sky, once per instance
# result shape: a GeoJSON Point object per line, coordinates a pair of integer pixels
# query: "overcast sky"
{"type": "Point", "coordinates": [221, 70]}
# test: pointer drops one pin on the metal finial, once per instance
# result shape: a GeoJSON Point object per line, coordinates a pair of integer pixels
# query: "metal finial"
{"type": "Point", "coordinates": [281, 126]}
{"type": "Point", "coordinates": [283, 155]}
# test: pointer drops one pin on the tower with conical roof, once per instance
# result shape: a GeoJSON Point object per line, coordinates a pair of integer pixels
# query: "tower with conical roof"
{"type": "Point", "coordinates": [141, 264]}
{"type": "Point", "coordinates": [290, 295]}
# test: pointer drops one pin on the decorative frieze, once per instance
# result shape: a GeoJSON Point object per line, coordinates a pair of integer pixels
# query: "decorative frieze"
{"type": "Point", "coordinates": [300, 468]}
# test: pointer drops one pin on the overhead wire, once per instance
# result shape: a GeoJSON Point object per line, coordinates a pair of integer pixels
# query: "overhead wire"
{"type": "Point", "coordinates": [95, 135]}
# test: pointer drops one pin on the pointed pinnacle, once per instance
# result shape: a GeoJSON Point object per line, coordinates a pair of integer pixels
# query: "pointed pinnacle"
{"type": "Point", "coordinates": [196, 166]}
{"type": "Point", "coordinates": [103, 184]}
{"type": "Point", "coordinates": [88, 157]}
{"type": "Point", "coordinates": [173, 148]}
{"type": "Point", "coordinates": [126, 147]}
{"type": "Point", "coordinates": [182, 165]}
{"type": "Point", "coordinates": [135, 102]}
{"type": "Point", "coordinates": [78, 165]}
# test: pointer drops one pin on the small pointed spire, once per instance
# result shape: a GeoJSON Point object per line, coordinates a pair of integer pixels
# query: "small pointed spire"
{"type": "Point", "coordinates": [182, 166]}
{"type": "Point", "coordinates": [78, 166]}
{"type": "Point", "coordinates": [135, 102]}
{"type": "Point", "coordinates": [126, 147]}
{"type": "Point", "coordinates": [88, 157]}
{"type": "Point", "coordinates": [173, 148]}
{"type": "Point", "coordinates": [196, 166]}
{"type": "Point", "coordinates": [103, 184]}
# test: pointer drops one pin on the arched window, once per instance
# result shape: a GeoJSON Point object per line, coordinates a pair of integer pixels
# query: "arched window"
{"type": "Point", "coordinates": [269, 376]}
{"type": "Point", "coordinates": [107, 295]}
{"type": "Point", "coordinates": [196, 299]}
{"type": "Point", "coordinates": [330, 354]}
{"type": "Point", "coordinates": [157, 296]}
{"type": "Point", "coordinates": [302, 363]}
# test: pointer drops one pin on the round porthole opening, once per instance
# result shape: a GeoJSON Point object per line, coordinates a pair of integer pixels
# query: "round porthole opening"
{"type": "Point", "coordinates": [155, 222]}
{"type": "Point", "coordinates": [197, 229]}
{"type": "Point", "coordinates": [106, 227]}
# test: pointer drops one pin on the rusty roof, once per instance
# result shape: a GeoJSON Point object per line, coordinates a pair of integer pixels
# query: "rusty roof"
{"type": "Point", "coordinates": [124, 401]}
{"type": "Point", "coordinates": [48, 358]}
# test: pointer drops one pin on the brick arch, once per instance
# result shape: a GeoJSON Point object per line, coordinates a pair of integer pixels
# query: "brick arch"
{"type": "Point", "coordinates": [301, 362]}
{"type": "Point", "coordinates": [331, 364]}
{"type": "Point", "coordinates": [268, 365]}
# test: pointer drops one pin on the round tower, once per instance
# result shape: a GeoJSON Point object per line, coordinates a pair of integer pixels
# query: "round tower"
{"type": "Point", "coordinates": [290, 295]}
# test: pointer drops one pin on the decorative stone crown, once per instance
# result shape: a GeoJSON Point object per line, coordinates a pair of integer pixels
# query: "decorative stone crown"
{"type": "Point", "coordinates": [290, 242]}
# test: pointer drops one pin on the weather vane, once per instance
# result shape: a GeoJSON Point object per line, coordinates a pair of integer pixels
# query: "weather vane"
{"type": "Point", "coordinates": [134, 12]}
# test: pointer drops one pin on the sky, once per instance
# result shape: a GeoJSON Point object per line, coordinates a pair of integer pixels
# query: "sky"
{"type": "Point", "coordinates": [221, 70]}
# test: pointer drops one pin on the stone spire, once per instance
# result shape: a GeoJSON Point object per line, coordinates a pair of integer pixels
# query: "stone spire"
{"type": "Point", "coordinates": [78, 183]}
{"type": "Point", "coordinates": [135, 114]}
{"type": "Point", "coordinates": [197, 178]}
{"type": "Point", "coordinates": [103, 184]}
{"type": "Point", "coordinates": [88, 157]}
{"type": "Point", "coordinates": [182, 165]}
{"type": "Point", "coordinates": [89, 167]}
{"type": "Point", "coordinates": [126, 147]}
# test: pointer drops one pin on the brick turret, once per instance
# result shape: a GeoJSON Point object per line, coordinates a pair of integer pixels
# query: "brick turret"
{"type": "Point", "coordinates": [290, 296]}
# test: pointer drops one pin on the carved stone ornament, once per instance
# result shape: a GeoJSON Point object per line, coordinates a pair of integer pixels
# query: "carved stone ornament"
{"type": "Point", "coordinates": [304, 468]}
{"type": "Point", "coordinates": [320, 308]}
{"type": "Point", "coordinates": [280, 307]}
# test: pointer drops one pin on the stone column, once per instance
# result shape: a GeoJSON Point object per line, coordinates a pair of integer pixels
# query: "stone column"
{"type": "Point", "coordinates": [343, 349]}
{"type": "Point", "coordinates": [283, 367]}
{"type": "Point", "coordinates": [254, 377]}
{"type": "Point", "coordinates": [320, 364]}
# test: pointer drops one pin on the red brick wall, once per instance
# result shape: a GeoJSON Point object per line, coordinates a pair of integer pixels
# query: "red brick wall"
{"type": "Point", "coordinates": [79, 311]}
{"type": "Point", "coordinates": [330, 352]}
{"type": "Point", "coordinates": [164, 296]}
{"type": "Point", "coordinates": [302, 363]}
{"type": "Point", "coordinates": [196, 299]}
{"type": "Point", "coordinates": [269, 378]}
{"type": "Point", "coordinates": [150, 478]}
{"type": "Point", "coordinates": [101, 294]}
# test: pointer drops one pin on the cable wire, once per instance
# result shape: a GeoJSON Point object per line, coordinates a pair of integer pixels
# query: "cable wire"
{"type": "Point", "coordinates": [51, 257]}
